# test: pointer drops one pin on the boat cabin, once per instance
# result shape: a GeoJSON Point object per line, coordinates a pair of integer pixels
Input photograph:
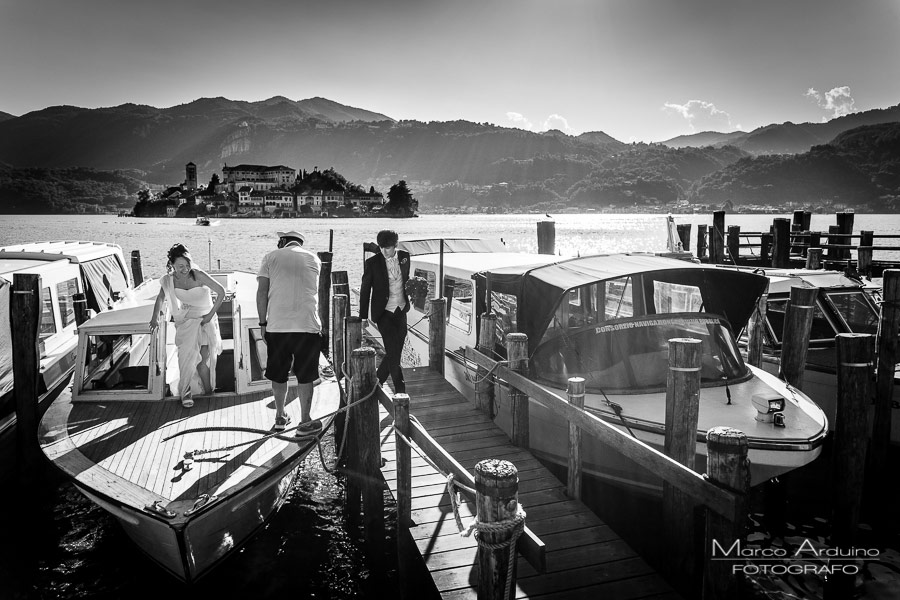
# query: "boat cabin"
{"type": "Point", "coordinates": [120, 359]}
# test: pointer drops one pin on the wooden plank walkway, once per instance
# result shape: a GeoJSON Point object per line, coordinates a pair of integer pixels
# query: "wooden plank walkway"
{"type": "Point", "coordinates": [585, 558]}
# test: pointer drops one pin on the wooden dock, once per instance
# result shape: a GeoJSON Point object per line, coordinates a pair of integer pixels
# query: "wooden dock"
{"type": "Point", "coordinates": [584, 557]}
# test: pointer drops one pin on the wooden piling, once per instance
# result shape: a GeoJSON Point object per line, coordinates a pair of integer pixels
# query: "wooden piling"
{"type": "Point", "coordinates": [727, 466]}
{"type": "Point", "coordinates": [682, 415]}
{"type": "Point", "coordinates": [798, 320]}
{"type": "Point", "coordinates": [353, 339]}
{"type": "Point", "coordinates": [79, 304]}
{"type": "Point", "coordinates": [575, 392]}
{"type": "Point", "coordinates": [765, 249]}
{"type": "Point", "coordinates": [797, 221]}
{"type": "Point", "coordinates": [484, 385]}
{"type": "Point", "coordinates": [437, 334]}
{"type": "Point", "coordinates": [855, 353]}
{"type": "Point", "coordinates": [717, 238]}
{"type": "Point", "coordinates": [833, 238]}
{"type": "Point", "coordinates": [864, 252]}
{"type": "Point", "coordinates": [782, 241]}
{"type": "Point", "coordinates": [814, 258]}
{"type": "Point", "coordinates": [137, 268]}
{"type": "Point", "coordinates": [404, 488]}
{"type": "Point", "coordinates": [756, 329]}
{"type": "Point", "coordinates": [25, 318]}
{"type": "Point", "coordinates": [845, 229]}
{"type": "Point", "coordinates": [339, 283]}
{"type": "Point", "coordinates": [888, 329]}
{"type": "Point", "coordinates": [365, 426]}
{"type": "Point", "coordinates": [684, 234]}
{"type": "Point", "coordinates": [517, 355]}
{"type": "Point", "coordinates": [546, 237]}
{"type": "Point", "coordinates": [325, 297]}
{"type": "Point", "coordinates": [734, 243]}
{"type": "Point", "coordinates": [702, 245]}
{"type": "Point", "coordinates": [497, 501]}
{"type": "Point", "coordinates": [339, 308]}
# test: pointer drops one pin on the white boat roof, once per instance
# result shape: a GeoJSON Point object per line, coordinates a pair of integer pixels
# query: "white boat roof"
{"type": "Point", "coordinates": [73, 251]}
{"type": "Point", "coordinates": [474, 262]}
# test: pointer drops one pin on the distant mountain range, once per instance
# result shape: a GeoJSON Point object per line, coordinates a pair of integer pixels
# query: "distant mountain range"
{"type": "Point", "coordinates": [4, 116]}
{"type": "Point", "coordinates": [787, 138]}
{"type": "Point", "coordinates": [450, 163]}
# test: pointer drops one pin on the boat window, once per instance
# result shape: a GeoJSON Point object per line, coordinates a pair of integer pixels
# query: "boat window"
{"type": "Point", "coordinates": [117, 361]}
{"type": "Point", "coordinates": [857, 312]}
{"type": "Point", "coordinates": [64, 292]}
{"type": "Point", "coordinates": [419, 302]}
{"type": "Point", "coordinates": [48, 322]}
{"type": "Point", "coordinates": [676, 298]}
{"type": "Point", "coordinates": [459, 302]}
{"type": "Point", "coordinates": [619, 298]}
{"type": "Point", "coordinates": [505, 307]}
{"type": "Point", "coordinates": [632, 355]}
{"type": "Point", "coordinates": [106, 282]}
{"type": "Point", "coordinates": [822, 329]}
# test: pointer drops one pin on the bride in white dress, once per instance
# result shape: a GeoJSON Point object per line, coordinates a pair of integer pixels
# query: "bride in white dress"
{"type": "Point", "coordinates": [188, 291]}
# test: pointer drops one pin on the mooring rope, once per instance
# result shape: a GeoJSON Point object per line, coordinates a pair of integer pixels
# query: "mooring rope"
{"type": "Point", "coordinates": [516, 524]}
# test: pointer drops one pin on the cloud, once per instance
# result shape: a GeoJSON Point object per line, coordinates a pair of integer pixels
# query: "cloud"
{"type": "Point", "coordinates": [555, 121]}
{"type": "Point", "coordinates": [702, 116]}
{"type": "Point", "coordinates": [838, 100]}
{"type": "Point", "coordinates": [519, 120]}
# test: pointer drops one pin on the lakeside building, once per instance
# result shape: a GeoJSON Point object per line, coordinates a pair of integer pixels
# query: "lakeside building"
{"type": "Point", "coordinates": [259, 177]}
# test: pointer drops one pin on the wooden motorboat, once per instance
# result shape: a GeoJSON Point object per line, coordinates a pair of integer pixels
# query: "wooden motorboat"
{"type": "Point", "coordinates": [608, 318]}
{"type": "Point", "coordinates": [97, 270]}
{"type": "Point", "coordinates": [188, 485]}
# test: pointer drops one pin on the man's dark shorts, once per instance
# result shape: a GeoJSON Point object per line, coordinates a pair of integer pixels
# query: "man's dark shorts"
{"type": "Point", "coordinates": [300, 348]}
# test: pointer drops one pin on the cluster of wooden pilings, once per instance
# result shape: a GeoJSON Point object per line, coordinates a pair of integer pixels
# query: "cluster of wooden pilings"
{"type": "Point", "coordinates": [790, 243]}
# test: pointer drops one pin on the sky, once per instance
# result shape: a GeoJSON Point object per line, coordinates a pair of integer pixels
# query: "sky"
{"type": "Point", "coordinates": [638, 70]}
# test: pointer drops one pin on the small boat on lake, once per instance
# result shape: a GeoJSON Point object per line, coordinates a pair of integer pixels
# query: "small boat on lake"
{"type": "Point", "coordinates": [203, 221]}
{"type": "Point", "coordinates": [188, 485]}
{"type": "Point", "coordinates": [66, 268]}
{"type": "Point", "coordinates": [608, 319]}
{"type": "Point", "coordinates": [843, 305]}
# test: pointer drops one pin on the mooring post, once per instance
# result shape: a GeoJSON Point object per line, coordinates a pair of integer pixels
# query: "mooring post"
{"type": "Point", "coordinates": [814, 258]}
{"type": "Point", "coordinates": [717, 238]}
{"type": "Point", "coordinates": [798, 320]}
{"type": "Point", "coordinates": [864, 252]}
{"type": "Point", "coordinates": [339, 283]}
{"type": "Point", "coordinates": [781, 256]}
{"type": "Point", "coordinates": [701, 241]}
{"type": "Point", "coordinates": [727, 466]}
{"type": "Point", "coordinates": [682, 415]}
{"type": "Point", "coordinates": [575, 391]}
{"type": "Point", "coordinates": [734, 243]}
{"type": "Point", "coordinates": [684, 234]}
{"type": "Point", "coordinates": [437, 333]}
{"type": "Point", "coordinates": [888, 330]}
{"type": "Point", "coordinates": [339, 308]}
{"type": "Point", "coordinates": [765, 249]}
{"type": "Point", "coordinates": [325, 296]}
{"type": "Point", "coordinates": [404, 486]}
{"type": "Point", "coordinates": [546, 235]}
{"type": "Point", "coordinates": [484, 385]}
{"type": "Point", "coordinates": [845, 228]}
{"type": "Point", "coordinates": [137, 268]}
{"type": "Point", "coordinates": [353, 339]}
{"type": "Point", "coordinates": [79, 304]}
{"type": "Point", "coordinates": [364, 423]}
{"type": "Point", "coordinates": [756, 330]}
{"type": "Point", "coordinates": [517, 355]}
{"type": "Point", "coordinates": [497, 501]}
{"type": "Point", "coordinates": [25, 318]}
{"type": "Point", "coordinates": [833, 239]}
{"type": "Point", "coordinates": [854, 363]}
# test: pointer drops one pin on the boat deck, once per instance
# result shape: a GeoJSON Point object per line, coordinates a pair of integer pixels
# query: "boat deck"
{"type": "Point", "coordinates": [118, 448]}
{"type": "Point", "coordinates": [585, 558]}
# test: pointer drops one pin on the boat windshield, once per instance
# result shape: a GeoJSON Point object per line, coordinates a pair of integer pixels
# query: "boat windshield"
{"type": "Point", "coordinates": [632, 355]}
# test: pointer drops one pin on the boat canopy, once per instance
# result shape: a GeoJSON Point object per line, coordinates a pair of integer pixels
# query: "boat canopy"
{"type": "Point", "coordinates": [127, 319]}
{"type": "Point", "coordinates": [450, 245]}
{"type": "Point", "coordinates": [539, 289]}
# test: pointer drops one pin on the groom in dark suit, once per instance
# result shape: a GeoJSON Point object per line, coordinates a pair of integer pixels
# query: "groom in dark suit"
{"type": "Point", "coordinates": [384, 287]}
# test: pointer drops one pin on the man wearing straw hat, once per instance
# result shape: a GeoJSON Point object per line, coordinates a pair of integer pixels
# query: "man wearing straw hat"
{"type": "Point", "coordinates": [287, 299]}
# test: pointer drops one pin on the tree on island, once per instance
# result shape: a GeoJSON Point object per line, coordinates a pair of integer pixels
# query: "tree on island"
{"type": "Point", "coordinates": [401, 201]}
{"type": "Point", "coordinates": [213, 182]}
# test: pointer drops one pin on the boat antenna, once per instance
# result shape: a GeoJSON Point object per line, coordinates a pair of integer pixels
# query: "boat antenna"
{"type": "Point", "coordinates": [209, 246]}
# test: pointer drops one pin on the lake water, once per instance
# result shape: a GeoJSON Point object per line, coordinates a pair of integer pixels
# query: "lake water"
{"type": "Point", "coordinates": [65, 547]}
